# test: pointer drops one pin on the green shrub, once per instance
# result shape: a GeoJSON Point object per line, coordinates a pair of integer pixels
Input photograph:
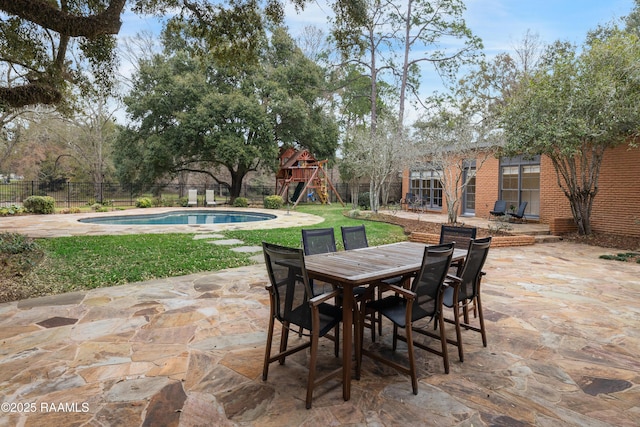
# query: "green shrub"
{"type": "Point", "coordinates": [159, 201]}
{"type": "Point", "coordinates": [273, 202]}
{"type": "Point", "coordinates": [183, 201]}
{"type": "Point", "coordinates": [96, 206]}
{"type": "Point", "coordinates": [364, 200]}
{"type": "Point", "coordinates": [11, 210]}
{"type": "Point", "coordinates": [40, 204]}
{"type": "Point", "coordinates": [143, 202]}
{"type": "Point", "coordinates": [14, 243]}
{"type": "Point", "coordinates": [241, 202]}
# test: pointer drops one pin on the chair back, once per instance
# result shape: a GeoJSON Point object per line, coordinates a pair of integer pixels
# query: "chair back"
{"type": "Point", "coordinates": [428, 284]}
{"type": "Point", "coordinates": [521, 208]}
{"type": "Point", "coordinates": [500, 207]}
{"type": "Point", "coordinates": [318, 241]}
{"type": "Point", "coordinates": [210, 196]}
{"type": "Point", "coordinates": [472, 268]}
{"type": "Point", "coordinates": [354, 237]}
{"type": "Point", "coordinates": [290, 290]}
{"type": "Point", "coordinates": [461, 236]}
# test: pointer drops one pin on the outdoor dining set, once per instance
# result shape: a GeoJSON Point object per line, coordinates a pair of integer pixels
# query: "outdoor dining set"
{"type": "Point", "coordinates": [415, 287]}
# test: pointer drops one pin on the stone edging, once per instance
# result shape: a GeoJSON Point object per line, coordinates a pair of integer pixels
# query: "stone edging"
{"type": "Point", "coordinates": [496, 241]}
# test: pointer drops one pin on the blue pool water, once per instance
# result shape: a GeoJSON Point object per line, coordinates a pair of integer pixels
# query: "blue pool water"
{"type": "Point", "coordinates": [191, 217]}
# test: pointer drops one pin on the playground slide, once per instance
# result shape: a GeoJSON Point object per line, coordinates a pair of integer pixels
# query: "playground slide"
{"type": "Point", "coordinates": [297, 191]}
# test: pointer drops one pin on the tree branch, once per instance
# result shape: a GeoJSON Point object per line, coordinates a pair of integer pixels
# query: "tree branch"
{"type": "Point", "coordinates": [30, 94]}
{"type": "Point", "coordinates": [45, 14]}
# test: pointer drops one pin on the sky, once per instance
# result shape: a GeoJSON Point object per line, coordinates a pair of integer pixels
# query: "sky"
{"type": "Point", "coordinates": [501, 24]}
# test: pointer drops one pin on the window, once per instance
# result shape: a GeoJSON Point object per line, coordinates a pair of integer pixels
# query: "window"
{"type": "Point", "coordinates": [469, 195]}
{"type": "Point", "coordinates": [520, 182]}
{"type": "Point", "coordinates": [426, 185]}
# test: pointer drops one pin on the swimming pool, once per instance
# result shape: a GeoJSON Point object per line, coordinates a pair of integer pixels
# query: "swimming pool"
{"type": "Point", "coordinates": [191, 217]}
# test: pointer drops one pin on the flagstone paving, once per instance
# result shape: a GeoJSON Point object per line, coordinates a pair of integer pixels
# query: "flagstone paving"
{"type": "Point", "coordinates": [188, 351]}
{"type": "Point", "coordinates": [563, 344]}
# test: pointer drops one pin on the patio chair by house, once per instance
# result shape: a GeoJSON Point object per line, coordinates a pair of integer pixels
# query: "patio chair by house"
{"type": "Point", "coordinates": [499, 209]}
{"type": "Point", "coordinates": [210, 198]}
{"type": "Point", "coordinates": [519, 215]}
{"type": "Point", "coordinates": [464, 291]}
{"type": "Point", "coordinates": [293, 304]}
{"type": "Point", "coordinates": [461, 236]}
{"type": "Point", "coordinates": [413, 202]}
{"type": "Point", "coordinates": [193, 198]}
{"type": "Point", "coordinates": [422, 301]}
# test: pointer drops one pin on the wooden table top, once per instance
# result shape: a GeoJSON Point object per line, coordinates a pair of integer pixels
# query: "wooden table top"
{"type": "Point", "coordinates": [366, 265]}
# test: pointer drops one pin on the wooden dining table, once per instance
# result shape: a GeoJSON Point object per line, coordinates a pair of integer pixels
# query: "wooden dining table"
{"type": "Point", "coordinates": [348, 269]}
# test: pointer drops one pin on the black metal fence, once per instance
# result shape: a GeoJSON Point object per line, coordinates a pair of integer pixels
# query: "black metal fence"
{"type": "Point", "coordinates": [78, 194]}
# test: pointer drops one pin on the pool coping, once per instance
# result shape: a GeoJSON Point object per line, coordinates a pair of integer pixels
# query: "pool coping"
{"type": "Point", "coordinates": [61, 225]}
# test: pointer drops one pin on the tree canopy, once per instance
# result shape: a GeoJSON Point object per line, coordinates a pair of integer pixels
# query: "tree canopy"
{"type": "Point", "coordinates": [47, 47]}
{"type": "Point", "coordinates": [574, 107]}
{"type": "Point", "coordinates": [196, 114]}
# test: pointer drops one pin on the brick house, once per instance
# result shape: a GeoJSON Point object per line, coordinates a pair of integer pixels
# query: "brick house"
{"type": "Point", "coordinates": [616, 207]}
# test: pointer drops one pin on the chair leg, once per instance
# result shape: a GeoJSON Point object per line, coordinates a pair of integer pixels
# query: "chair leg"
{"type": "Point", "coordinates": [456, 316]}
{"type": "Point", "coordinates": [443, 341]}
{"type": "Point", "coordinates": [465, 311]}
{"type": "Point", "coordinates": [358, 316]}
{"type": "Point", "coordinates": [395, 337]}
{"type": "Point", "coordinates": [312, 367]}
{"type": "Point", "coordinates": [378, 316]}
{"type": "Point", "coordinates": [412, 357]}
{"type": "Point", "coordinates": [475, 307]}
{"type": "Point", "coordinates": [483, 331]}
{"type": "Point", "coordinates": [284, 338]}
{"type": "Point", "coordinates": [267, 352]}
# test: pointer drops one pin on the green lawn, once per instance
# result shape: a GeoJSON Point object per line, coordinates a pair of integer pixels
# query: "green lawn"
{"type": "Point", "coordinates": [98, 261]}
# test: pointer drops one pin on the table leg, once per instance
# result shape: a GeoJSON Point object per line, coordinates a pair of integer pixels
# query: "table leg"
{"type": "Point", "coordinates": [347, 341]}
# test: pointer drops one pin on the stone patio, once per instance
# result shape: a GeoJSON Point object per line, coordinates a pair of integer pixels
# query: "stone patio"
{"type": "Point", "coordinates": [563, 331]}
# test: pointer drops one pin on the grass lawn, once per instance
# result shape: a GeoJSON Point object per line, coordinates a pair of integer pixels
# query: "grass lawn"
{"type": "Point", "coordinates": [73, 263]}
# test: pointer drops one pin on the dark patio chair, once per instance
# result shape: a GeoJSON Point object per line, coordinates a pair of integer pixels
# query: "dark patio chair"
{"type": "Point", "coordinates": [293, 304]}
{"type": "Point", "coordinates": [354, 237]}
{"type": "Point", "coordinates": [519, 215]}
{"type": "Point", "coordinates": [318, 241]}
{"type": "Point", "coordinates": [409, 200]}
{"type": "Point", "coordinates": [464, 292]}
{"type": "Point", "coordinates": [499, 209]}
{"type": "Point", "coordinates": [422, 301]}
{"type": "Point", "coordinates": [461, 236]}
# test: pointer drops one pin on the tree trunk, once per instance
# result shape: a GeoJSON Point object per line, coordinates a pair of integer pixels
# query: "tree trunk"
{"type": "Point", "coordinates": [237, 177]}
{"type": "Point", "coordinates": [452, 211]}
{"type": "Point", "coordinates": [374, 190]}
{"type": "Point", "coordinates": [405, 64]}
{"type": "Point", "coordinates": [579, 182]}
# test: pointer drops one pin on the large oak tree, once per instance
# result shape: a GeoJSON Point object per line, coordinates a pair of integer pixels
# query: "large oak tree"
{"type": "Point", "coordinates": [197, 114]}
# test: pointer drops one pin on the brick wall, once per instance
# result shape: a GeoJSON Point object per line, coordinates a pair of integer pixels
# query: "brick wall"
{"type": "Point", "coordinates": [487, 187]}
{"type": "Point", "coordinates": [616, 208]}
